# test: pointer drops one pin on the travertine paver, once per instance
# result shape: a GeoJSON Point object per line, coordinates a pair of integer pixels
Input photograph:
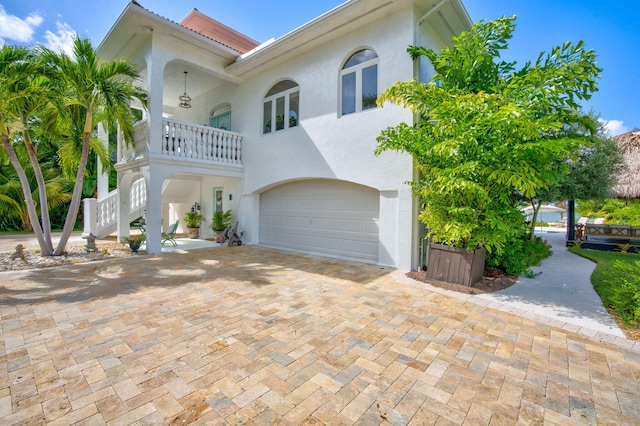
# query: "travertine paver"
{"type": "Point", "coordinates": [243, 334]}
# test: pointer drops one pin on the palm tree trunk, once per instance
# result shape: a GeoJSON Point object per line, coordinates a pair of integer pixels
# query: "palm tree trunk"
{"type": "Point", "coordinates": [26, 190]}
{"type": "Point", "coordinates": [44, 206]}
{"type": "Point", "coordinates": [72, 213]}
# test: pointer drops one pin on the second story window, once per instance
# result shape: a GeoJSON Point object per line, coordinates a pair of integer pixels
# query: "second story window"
{"type": "Point", "coordinates": [221, 117]}
{"type": "Point", "coordinates": [359, 82]}
{"type": "Point", "coordinates": [281, 107]}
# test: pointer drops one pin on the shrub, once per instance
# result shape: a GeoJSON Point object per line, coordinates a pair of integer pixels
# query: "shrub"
{"type": "Point", "coordinates": [616, 211]}
{"type": "Point", "coordinates": [624, 248]}
{"type": "Point", "coordinates": [221, 220]}
{"type": "Point", "coordinates": [625, 298]}
{"type": "Point", "coordinates": [519, 256]}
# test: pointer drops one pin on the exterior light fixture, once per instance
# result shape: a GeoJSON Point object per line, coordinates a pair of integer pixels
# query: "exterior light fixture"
{"type": "Point", "coordinates": [185, 100]}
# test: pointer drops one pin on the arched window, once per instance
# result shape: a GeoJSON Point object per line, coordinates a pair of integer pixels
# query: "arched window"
{"type": "Point", "coordinates": [281, 107]}
{"type": "Point", "coordinates": [221, 117]}
{"type": "Point", "coordinates": [359, 82]}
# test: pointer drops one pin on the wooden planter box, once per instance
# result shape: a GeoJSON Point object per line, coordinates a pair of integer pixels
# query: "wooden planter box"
{"type": "Point", "coordinates": [455, 265]}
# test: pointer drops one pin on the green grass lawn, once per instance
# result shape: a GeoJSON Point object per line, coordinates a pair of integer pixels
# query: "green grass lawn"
{"type": "Point", "coordinates": [617, 281]}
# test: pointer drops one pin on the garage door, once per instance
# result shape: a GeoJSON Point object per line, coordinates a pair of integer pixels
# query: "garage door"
{"type": "Point", "coordinates": [322, 216]}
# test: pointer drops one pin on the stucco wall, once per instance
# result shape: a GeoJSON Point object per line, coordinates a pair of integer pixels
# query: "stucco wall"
{"type": "Point", "coordinates": [324, 144]}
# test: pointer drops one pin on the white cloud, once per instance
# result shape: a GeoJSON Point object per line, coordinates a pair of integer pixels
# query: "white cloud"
{"type": "Point", "coordinates": [62, 41]}
{"type": "Point", "coordinates": [615, 127]}
{"type": "Point", "coordinates": [17, 29]}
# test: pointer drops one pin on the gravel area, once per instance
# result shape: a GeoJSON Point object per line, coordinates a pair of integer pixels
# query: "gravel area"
{"type": "Point", "coordinates": [74, 254]}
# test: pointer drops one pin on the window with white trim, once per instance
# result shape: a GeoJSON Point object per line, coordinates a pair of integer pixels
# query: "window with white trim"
{"type": "Point", "coordinates": [281, 107]}
{"type": "Point", "coordinates": [359, 82]}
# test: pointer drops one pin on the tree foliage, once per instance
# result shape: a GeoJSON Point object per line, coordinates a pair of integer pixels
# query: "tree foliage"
{"type": "Point", "coordinates": [589, 175]}
{"type": "Point", "coordinates": [615, 211]}
{"type": "Point", "coordinates": [489, 134]}
{"type": "Point", "coordinates": [50, 96]}
{"type": "Point", "coordinates": [12, 202]}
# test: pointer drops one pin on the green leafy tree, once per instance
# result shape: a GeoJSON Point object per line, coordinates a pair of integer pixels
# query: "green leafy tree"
{"type": "Point", "coordinates": [12, 203]}
{"type": "Point", "coordinates": [592, 171]}
{"type": "Point", "coordinates": [95, 92]}
{"type": "Point", "coordinates": [64, 98]}
{"type": "Point", "coordinates": [589, 175]}
{"type": "Point", "coordinates": [25, 91]}
{"type": "Point", "coordinates": [615, 210]}
{"type": "Point", "coordinates": [489, 133]}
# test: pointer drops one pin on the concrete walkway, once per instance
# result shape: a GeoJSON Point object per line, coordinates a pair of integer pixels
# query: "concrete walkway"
{"type": "Point", "coordinates": [245, 335]}
{"type": "Point", "coordinates": [561, 294]}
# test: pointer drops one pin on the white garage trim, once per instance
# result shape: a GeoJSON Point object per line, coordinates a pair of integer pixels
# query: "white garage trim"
{"type": "Point", "coordinates": [328, 217]}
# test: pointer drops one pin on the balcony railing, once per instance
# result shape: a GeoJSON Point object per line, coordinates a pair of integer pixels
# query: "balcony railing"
{"type": "Point", "coordinates": [186, 140]}
{"type": "Point", "coordinates": [201, 142]}
{"type": "Point", "coordinates": [140, 145]}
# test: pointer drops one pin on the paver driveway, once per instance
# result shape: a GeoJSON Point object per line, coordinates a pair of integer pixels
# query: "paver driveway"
{"type": "Point", "coordinates": [248, 335]}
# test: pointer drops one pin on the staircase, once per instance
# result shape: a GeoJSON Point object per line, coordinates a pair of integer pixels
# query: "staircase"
{"type": "Point", "coordinates": [101, 216]}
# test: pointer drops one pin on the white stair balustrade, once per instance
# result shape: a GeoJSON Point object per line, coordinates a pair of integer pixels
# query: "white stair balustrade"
{"type": "Point", "coordinates": [100, 216]}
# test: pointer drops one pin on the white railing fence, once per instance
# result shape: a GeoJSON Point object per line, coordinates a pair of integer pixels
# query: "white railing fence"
{"type": "Point", "coordinates": [101, 216]}
{"type": "Point", "coordinates": [186, 140]}
{"type": "Point", "coordinates": [140, 142]}
{"type": "Point", "coordinates": [190, 140]}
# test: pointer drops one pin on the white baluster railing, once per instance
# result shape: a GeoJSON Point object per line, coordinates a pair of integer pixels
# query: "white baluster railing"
{"type": "Point", "coordinates": [101, 216]}
{"type": "Point", "coordinates": [189, 140]}
{"type": "Point", "coordinates": [140, 142]}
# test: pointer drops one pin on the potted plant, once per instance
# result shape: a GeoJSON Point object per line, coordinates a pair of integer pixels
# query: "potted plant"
{"type": "Point", "coordinates": [134, 241]}
{"type": "Point", "coordinates": [219, 222]}
{"type": "Point", "coordinates": [193, 221]}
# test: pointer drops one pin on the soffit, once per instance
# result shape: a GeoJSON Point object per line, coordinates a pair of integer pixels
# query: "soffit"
{"type": "Point", "coordinates": [202, 57]}
{"type": "Point", "coordinates": [450, 16]}
{"type": "Point", "coordinates": [135, 26]}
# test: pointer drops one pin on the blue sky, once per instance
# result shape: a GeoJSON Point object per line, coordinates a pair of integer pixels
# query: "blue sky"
{"type": "Point", "coordinates": [609, 28]}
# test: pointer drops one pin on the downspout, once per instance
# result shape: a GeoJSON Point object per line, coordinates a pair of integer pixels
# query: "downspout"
{"type": "Point", "coordinates": [419, 228]}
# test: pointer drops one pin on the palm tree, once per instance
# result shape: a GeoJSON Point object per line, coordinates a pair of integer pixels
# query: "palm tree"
{"type": "Point", "coordinates": [55, 96]}
{"type": "Point", "coordinates": [12, 203]}
{"type": "Point", "coordinates": [22, 88]}
{"type": "Point", "coordinates": [94, 92]}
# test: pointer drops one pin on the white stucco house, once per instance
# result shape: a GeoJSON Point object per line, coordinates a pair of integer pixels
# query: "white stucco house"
{"type": "Point", "coordinates": [310, 182]}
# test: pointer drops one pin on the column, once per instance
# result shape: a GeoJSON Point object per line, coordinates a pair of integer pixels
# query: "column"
{"type": "Point", "coordinates": [103, 175]}
{"type": "Point", "coordinates": [124, 200]}
{"type": "Point", "coordinates": [156, 63]}
{"type": "Point", "coordinates": [153, 180]}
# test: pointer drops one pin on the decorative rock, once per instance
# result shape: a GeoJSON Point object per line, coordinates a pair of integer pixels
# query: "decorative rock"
{"type": "Point", "coordinates": [75, 254]}
{"type": "Point", "coordinates": [19, 253]}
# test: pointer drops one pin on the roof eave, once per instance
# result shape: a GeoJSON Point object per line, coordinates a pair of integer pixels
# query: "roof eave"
{"type": "Point", "coordinates": [132, 8]}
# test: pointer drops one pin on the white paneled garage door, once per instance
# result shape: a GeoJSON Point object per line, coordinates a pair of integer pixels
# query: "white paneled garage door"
{"type": "Point", "coordinates": [322, 216]}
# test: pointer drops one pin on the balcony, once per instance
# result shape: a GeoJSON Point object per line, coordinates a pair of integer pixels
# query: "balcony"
{"type": "Point", "coordinates": [186, 140]}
